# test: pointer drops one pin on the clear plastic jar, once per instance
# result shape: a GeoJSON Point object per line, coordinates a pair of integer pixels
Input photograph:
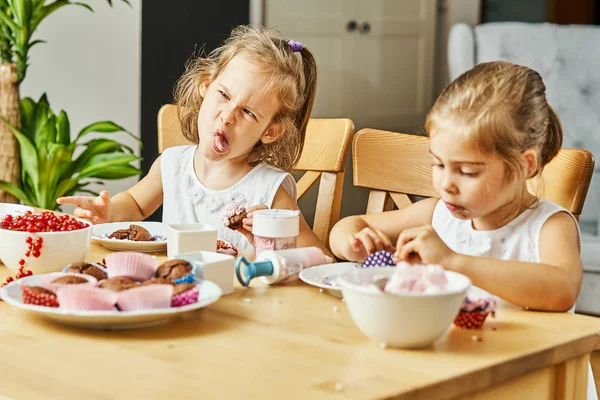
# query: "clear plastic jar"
{"type": "Point", "coordinates": [275, 230]}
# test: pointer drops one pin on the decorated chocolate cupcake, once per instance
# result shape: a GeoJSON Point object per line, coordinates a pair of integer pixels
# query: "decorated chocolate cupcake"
{"type": "Point", "coordinates": [97, 271]}
{"type": "Point", "coordinates": [38, 296]}
{"type": "Point", "coordinates": [179, 271]}
{"type": "Point", "coordinates": [234, 215]}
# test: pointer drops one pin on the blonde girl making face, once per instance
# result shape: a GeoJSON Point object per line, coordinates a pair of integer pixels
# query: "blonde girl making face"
{"type": "Point", "coordinates": [246, 106]}
{"type": "Point", "coordinates": [491, 130]}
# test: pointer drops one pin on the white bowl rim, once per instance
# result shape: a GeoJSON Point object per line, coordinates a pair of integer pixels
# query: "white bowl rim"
{"type": "Point", "coordinates": [364, 289]}
{"type": "Point", "coordinates": [89, 226]}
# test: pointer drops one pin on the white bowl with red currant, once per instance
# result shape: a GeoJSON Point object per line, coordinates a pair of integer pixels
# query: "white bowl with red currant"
{"type": "Point", "coordinates": [42, 242]}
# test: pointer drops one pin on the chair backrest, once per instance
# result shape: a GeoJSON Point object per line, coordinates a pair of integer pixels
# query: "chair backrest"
{"type": "Point", "coordinates": [395, 165]}
{"type": "Point", "coordinates": [324, 156]}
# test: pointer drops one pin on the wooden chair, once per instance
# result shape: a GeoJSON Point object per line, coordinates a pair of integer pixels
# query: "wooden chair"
{"type": "Point", "coordinates": [324, 156]}
{"type": "Point", "coordinates": [395, 165]}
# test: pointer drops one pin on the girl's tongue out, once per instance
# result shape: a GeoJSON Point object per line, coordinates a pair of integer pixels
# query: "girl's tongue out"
{"type": "Point", "coordinates": [220, 143]}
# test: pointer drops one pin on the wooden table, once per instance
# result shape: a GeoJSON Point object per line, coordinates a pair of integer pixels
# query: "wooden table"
{"type": "Point", "coordinates": [272, 342]}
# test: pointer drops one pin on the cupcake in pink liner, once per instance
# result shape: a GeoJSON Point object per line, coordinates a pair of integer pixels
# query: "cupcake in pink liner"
{"type": "Point", "coordinates": [78, 297]}
{"type": "Point", "coordinates": [137, 266]}
{"type": "Point", "coordinates": [55, 281]}
{"type": "Point", "coordinates": [38, 296]}
{"type": "Point", "coordinates": [145, 297]}
{"type": "Point", "coordinates": [477, 305]}
{"type": "Point", "coordinates": [184, 294]}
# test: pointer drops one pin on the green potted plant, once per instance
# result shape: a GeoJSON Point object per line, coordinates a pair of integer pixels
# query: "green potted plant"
{"type": "Point", "coordinates": [19, 19]}
{"type": "Point", "coordinates": [53, 165]}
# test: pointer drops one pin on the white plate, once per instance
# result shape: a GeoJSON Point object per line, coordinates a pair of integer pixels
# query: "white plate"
{"type": "Point", "coordinates": [11, 294]}
{"type": "Point", "coordinates": [100, 234]}
{"type": "Point", "coordinates": [324, 276]}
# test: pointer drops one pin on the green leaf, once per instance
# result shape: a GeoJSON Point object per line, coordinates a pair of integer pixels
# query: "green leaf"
{"type": "Point", "coordinates": [23, 15]}
{"type": "Point", "coordinates": [93, 148]}
{"type": "Point", "coordinates": [46, 134]}
{"type": "Point", "coordinates": [16, 191]}
{"type": "Point", "coordinates": [115, 172]}
{"type": "Point", "coordinates": [63, 129]}
{"type": "Point", "coordinates": [102, 161]}
{"type": "Point", "coordinates": [53, 163]}
{"type": "Point", "coordinates": [104, 127]}
{"type": "Point", "coordinates": [27, 107]}
{"type": "Point", "coordinates": [41, 13]}
{"type": "Point", "coordinates": [29, 159]}
{"type": "Point", "coordinates": [9, 22]}
{"type": "Point", "coordinates": [85, 5]}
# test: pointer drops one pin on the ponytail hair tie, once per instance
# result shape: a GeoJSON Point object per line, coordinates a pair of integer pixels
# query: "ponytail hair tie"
{"type": "Point", "coordinates": [296, 46]}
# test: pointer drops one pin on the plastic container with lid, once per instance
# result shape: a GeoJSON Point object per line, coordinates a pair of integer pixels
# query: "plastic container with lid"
{"type": "Point", "coordinates": [275, 229]}
{"type": "Point", "coordinates": [276, 266]}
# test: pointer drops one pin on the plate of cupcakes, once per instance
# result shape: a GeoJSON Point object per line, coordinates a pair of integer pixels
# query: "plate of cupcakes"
{"type": "Point", "coordinates": [130, 291]}
{"type": "Point", "coordinates": [145, 237]}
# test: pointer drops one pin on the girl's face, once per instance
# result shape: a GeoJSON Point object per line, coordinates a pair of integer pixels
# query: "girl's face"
{"type": "Point", "coordinates": [472, 184]}
{"type": "Point", "coordinates": [236, 112]}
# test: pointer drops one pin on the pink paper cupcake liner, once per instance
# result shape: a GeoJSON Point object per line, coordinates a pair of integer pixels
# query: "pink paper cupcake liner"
{"type": "Point", "coordinates": [76, 298]}
{"type": "Point", "coordinates": [46, 280]}
{"type": "Point", "coordinates": [145, 297]}
{"type": "Point", "coordinates": [137, 266]}
{"type": "Point", "coordinates": [29, 296]}
{"type": "Point", "coordinates": [185, 298]}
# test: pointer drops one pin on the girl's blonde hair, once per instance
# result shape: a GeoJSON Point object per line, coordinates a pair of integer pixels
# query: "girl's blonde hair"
{"type": "Point", "coordinates": [502, 107]}
{"type": "Point", "coordinates": [291, 73]}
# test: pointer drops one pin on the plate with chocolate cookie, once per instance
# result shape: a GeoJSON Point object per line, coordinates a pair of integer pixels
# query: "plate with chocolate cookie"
{"type": "Point", "coordinates": [145, 237]}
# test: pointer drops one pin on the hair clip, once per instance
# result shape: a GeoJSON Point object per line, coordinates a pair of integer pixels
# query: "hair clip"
{"type": "Point", "coordinates": [296, 46]}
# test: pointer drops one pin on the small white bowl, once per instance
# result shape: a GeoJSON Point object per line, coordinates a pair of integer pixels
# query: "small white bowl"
{"type": "Point", "coordinates": [58, 249]}
{"type": "Point", "coordinates": [410, 320]}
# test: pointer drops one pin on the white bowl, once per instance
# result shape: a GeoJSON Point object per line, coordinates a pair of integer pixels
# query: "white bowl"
{"type": "Point", "coordinates": [58, 249]}
{"type": "Point", "coordinates": [13, 209]}
{"type": "Point", "coordinates": [410, 320]}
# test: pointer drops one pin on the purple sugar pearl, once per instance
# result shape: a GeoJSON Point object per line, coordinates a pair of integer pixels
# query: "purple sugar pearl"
{"type": "Point", "coordinates": [381, 258]}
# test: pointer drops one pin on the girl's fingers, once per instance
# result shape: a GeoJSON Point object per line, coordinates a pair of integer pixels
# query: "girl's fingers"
{"type": "Point", "coordinates": [387, 243]}
{"type": "Point", "coordinates": [82, 213]}
{"type": "Point", "coordinates": [410, 252]}
{"type": "Point", "coordinates": [366, 241]}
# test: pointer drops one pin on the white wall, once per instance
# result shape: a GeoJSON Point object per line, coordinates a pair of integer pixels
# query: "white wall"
{"type": "Point", "coordinates": [451, 12]}
{"type": "Point", "coordinates": [90, 67]}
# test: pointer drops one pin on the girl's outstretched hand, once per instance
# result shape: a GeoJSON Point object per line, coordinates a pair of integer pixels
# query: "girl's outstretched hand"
{"type": "Point", "coordinates": [423, 245]}
{"type": "Point", "coordinates": [93, 209]}
{"type": "Point", "coordinates": [367, 241]}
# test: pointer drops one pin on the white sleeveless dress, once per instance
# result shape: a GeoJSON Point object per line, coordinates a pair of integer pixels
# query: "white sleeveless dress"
{"type": "Point", "coordinates": [187, 200]}
{"type": "Point", "coordinates": [518, 241]}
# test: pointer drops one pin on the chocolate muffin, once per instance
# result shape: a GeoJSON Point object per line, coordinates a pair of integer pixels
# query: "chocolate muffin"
{"type": "Point", "coordinates": [38, 289]}
{"type": "Point", "coordinates": [157, 281]}
{"type": "Point", "coordinates": [87, 269]}
{"type": "Point", "coordinates": [70, 280]}
{"type": "Point", "coordinates": [135, 233]}
{"type": "Point", "coordinates": [118, 283]}
{"type": "Point", "coordinates": [174, 269]}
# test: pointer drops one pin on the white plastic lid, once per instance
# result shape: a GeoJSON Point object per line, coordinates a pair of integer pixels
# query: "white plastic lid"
{"type": "Point", "coordinates": [276, 223]}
